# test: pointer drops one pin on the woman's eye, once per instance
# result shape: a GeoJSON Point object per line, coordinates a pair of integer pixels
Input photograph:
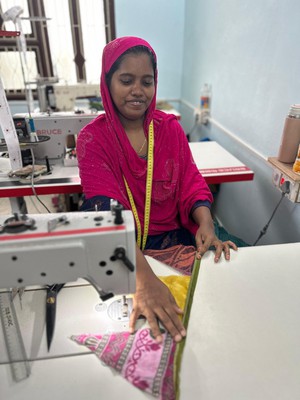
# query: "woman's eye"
{"type": "Point", "coordinates": [148, 83]}
{"type": "Point", "coordinates": [125, 81]}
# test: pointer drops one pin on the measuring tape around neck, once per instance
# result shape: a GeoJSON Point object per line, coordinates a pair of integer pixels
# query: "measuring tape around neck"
{"type": "Point", "coordinates": [9, 132]}
{"type": "Point", "coordinates": [148, 194]}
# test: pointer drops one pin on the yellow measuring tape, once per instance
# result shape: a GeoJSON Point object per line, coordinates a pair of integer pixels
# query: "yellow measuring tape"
{"type": "Point", "coordinates": [148, 193]}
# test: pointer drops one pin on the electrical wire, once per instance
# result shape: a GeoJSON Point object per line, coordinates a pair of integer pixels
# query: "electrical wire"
{"type": "Point", "coordinates": [32, 183]}
{"type": "Point", "coordinates": [265, 228]}
{"type": "Point", "coordinates": [34, 205]}
{"type": "Point", "coordinates": [192, 129]}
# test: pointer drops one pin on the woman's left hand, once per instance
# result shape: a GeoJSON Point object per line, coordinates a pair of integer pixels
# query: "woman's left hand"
{"type": "Point", "coordinates": [206, 238]}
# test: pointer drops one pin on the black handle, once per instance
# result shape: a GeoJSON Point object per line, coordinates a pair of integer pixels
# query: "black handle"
{"type": "Point", "coordinates": [120, 254]}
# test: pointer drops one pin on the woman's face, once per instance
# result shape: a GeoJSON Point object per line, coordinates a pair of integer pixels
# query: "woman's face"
{"type": "Point", "coordinates": [132, 86]}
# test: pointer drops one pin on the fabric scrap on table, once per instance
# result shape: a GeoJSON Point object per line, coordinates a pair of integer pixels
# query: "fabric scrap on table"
{"type": "Point", "coordinates": [178, 286]}
{"type": "Point", "coordinates": [146, 364]}
{"type": "Point", "coordinates": [178, 257]}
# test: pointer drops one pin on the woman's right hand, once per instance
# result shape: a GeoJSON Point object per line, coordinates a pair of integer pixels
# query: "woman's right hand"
{"type": "Point", "coordinates": [155, 302]}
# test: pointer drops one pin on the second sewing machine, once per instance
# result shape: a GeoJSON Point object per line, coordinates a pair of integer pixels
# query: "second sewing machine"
{"type": "Point", "coordinates": [62, 129]}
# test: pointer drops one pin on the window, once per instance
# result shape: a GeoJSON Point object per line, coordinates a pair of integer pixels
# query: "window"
{"type": "Point", "coordinates": [64, 39]}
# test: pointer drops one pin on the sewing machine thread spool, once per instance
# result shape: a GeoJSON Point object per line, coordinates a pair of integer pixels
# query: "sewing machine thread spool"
{"type": "Point", "coordinates": [118, 214]}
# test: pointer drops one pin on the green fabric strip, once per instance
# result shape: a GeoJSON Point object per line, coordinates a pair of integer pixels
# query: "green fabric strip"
{"type": "Point", "coordinates": [185, 321]}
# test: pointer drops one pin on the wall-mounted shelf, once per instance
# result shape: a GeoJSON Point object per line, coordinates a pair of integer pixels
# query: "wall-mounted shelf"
{"type": "Point", "coordinates": [284, 173]}
{"type": "Point", "coordinates": [287, 169]}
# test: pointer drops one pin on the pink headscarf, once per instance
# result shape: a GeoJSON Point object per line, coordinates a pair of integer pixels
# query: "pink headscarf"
{"type": "Point", "coordinates": [111, 52]}
{"type": "Point", "coordinates": [105, 155]}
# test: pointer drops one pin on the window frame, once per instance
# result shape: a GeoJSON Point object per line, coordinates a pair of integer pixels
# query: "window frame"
{"type": "Point", "coordinates": [38, 41]}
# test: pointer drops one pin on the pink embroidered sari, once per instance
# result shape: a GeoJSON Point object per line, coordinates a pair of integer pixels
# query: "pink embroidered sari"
{"type": "Point", "coordinates": [150, 366]}
{"type": "Point", "coordinates": [105, 155]}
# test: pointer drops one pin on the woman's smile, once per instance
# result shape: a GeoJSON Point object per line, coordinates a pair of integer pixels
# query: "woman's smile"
{"type": "Point", "coordinates": [136, 103]}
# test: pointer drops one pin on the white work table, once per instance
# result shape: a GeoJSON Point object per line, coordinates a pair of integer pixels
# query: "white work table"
{"type": "Point", "coordinates": [216, 164]}
{"type": "Point", "coordinates": [242, 342]}
{"type": "Point", "coordinates": [244, 329]}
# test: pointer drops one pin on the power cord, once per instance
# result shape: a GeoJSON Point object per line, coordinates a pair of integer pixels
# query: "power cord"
{"type": "Point", "coordinates": [285, 187]}
{"type": "Point", "coordinates": [32, 183]}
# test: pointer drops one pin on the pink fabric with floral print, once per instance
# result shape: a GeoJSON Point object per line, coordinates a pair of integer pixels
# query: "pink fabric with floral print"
{"type": "Point", "coordinates": [148, 365]}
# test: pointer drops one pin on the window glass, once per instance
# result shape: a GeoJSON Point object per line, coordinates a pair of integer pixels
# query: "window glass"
{"type": "Point", "coordinates": [60, 38]}
{"type": "Point", "coordinates": [11, 70]}
{"type": "Point", "coordinates": [93, 32]}
{"type": "Point", "coordinates": [60, 41]}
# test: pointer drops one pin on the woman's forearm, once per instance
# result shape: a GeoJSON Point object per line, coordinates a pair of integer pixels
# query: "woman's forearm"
{"type": "Point", "coordinates": [202, 215]}
{"type": "Point", "coordinates": [143, 269]}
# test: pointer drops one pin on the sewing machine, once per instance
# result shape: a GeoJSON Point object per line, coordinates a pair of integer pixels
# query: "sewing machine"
{"type": "Point", "coordinates": [43, 249]}
{"type": "Point", "coordinates": [61, 97]}
{"type": "Point", "coordinates": [61, 127]}
{"type": "Point", "coordinates": [38, 251]}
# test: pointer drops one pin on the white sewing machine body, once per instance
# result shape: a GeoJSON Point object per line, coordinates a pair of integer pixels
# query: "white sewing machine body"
{"type": "Point", "coordinates": [55, 248]}
{"type": "Point", "coordinates": [61, 127]}
{"type": "Point", "coordinates": [63, 97]}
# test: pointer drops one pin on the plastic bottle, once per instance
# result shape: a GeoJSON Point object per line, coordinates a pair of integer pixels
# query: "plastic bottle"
{"type": "Point", "coordinates": [290, 136]}
{"type": "Point", "coordinates": [205, 97]}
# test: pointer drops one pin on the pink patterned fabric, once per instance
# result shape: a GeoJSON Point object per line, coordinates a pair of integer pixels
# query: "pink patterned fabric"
{"type": "Point", "coordinates": [146, 364]}
{"type": "Point", "coordinates": [178, 257]}
{"type": "Point", "coordinates": [105, 155]}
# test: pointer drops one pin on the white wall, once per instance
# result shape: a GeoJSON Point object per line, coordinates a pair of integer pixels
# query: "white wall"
{"type": "Point", "coordinates": [161, 23]}
{"type": "Point", "coordinates": [249, 51]}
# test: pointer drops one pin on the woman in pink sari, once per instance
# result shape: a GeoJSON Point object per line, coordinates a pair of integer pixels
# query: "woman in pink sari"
{"type": "Point", "coordinates": [140, 157]}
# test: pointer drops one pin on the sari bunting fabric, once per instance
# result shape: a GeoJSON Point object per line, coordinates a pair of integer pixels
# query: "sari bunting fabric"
{"type": "Point", "coordinates": [142, 361]}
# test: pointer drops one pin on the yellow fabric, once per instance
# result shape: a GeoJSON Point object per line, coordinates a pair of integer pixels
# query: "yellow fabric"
{"type": "Point", "coordinates": [178, 286]}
